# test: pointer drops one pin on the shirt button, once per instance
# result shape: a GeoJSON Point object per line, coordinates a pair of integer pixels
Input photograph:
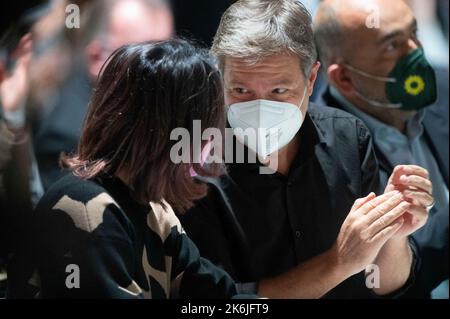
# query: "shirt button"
{"type": "Point", "coordinates": [297, 234]}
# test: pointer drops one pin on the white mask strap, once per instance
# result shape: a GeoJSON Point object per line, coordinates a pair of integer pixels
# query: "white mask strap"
{"type": "Point", "coordinates": [379, 104]}
{"type": "Point", "coordinates": [370, 76]}
{"type": "Point", "coordinates": [304, 96]}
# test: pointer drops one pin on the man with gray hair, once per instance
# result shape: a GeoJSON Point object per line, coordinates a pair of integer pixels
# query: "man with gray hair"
{"type": "Point", "coordinates": [388, 83]}
{"type": "Point", "coordinates": [300, 232]}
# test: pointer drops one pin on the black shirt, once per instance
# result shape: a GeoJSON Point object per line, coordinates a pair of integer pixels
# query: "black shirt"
{"type": "Point", "coordinates": [258, 226]}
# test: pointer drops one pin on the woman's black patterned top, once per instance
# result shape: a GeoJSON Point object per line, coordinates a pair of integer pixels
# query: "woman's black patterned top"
{"type": "Point", "coordinates": [94, 241]}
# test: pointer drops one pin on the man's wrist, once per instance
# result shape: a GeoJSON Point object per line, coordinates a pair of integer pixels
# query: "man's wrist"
{"type": "Point", "coordinates": [336, 269]}
{"type": "Point", "coordinates": [397, 243]}
{"type": "Point", "coordinates": [396, 254]}
{"type": "Point", "coordinates": [396, 246]}
{"type": "Point", "coordinates": [16, 119]}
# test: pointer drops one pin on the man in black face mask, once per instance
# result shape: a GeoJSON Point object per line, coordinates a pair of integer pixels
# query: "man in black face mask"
{"type": "Point", "coordinates": [377, 70]}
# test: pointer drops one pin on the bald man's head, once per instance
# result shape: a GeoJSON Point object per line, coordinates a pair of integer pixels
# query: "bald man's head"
{"type": "Point", "coordinates": [340, 26]}
{"type": "Point", "coordinates": [359, 44]}
{"type": "Point", "coordinates": [134, 21]}
{"type": "Point", "coordinates": [114, 23]}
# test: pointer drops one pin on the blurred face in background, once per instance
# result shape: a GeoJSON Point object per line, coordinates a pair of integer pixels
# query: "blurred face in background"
{"type": "Point", "coordinates": [130, 21]}
{"type": "Point", "coordinates": [56, 53]}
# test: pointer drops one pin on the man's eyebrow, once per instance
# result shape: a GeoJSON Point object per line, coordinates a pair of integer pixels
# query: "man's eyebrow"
{"type": "Point", "coordinates": [235, 84]}
{"type": "Point", "coordinates": [398, 32]}
{"type": "Point", "coordinates": [282, 82]}
{"type": "Point", "coordinates": [279, 82]}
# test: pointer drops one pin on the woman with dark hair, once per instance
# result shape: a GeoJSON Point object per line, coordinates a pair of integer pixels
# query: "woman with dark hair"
{"type": "Point", "coordinates": [108, 229]}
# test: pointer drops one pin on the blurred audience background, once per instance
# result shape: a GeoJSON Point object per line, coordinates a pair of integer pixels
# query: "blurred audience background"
{"type": "Point", "coordinates": [61, 105]}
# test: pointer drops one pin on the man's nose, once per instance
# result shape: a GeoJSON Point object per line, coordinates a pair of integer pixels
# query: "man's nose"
{"type": "Point", "coordinates": [261, 96]}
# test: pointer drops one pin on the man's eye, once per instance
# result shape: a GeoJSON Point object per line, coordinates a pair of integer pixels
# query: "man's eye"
{"type": "Point", "coordinates": [240, 91]}
{"type": "Point", "coordinates": [280, 91]}
{"type": "Point", "coordinates": [392, 46]}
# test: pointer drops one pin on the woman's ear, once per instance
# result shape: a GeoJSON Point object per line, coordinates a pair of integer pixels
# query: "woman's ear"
{"type": "Point", "coordinates": [338, 77]}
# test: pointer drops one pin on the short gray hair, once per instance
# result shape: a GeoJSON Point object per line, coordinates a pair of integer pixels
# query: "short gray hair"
{"type": "Point", "coordinates": [254, 29]}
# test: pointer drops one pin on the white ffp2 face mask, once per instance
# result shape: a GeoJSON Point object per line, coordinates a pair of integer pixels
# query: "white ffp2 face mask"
{"type": "Point", "coordinates": [265, 126]}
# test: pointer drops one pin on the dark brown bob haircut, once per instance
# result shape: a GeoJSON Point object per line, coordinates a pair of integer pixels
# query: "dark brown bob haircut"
{"type": "Point", "coordinates": [143, 93]}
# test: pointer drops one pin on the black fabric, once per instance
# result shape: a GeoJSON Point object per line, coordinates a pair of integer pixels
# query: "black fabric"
{"type": "Point", "coordinates": [199, 19]}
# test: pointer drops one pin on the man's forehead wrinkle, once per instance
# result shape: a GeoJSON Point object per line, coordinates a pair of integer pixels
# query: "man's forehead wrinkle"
{"type": "Point", "coordinates": [268, 75]}
{"type": "Point", "coordinates": [269, 63]}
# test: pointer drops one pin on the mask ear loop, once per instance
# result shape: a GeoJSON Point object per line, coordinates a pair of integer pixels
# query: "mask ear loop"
{"type": "Point", "coordinates": [304, 96]}
{"type": "Point", "coordinates": [379, 104]}
{"type": "Point", "coordinates": [378, 78]}
{"type": "Point", "coordinates": [370, 76]}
